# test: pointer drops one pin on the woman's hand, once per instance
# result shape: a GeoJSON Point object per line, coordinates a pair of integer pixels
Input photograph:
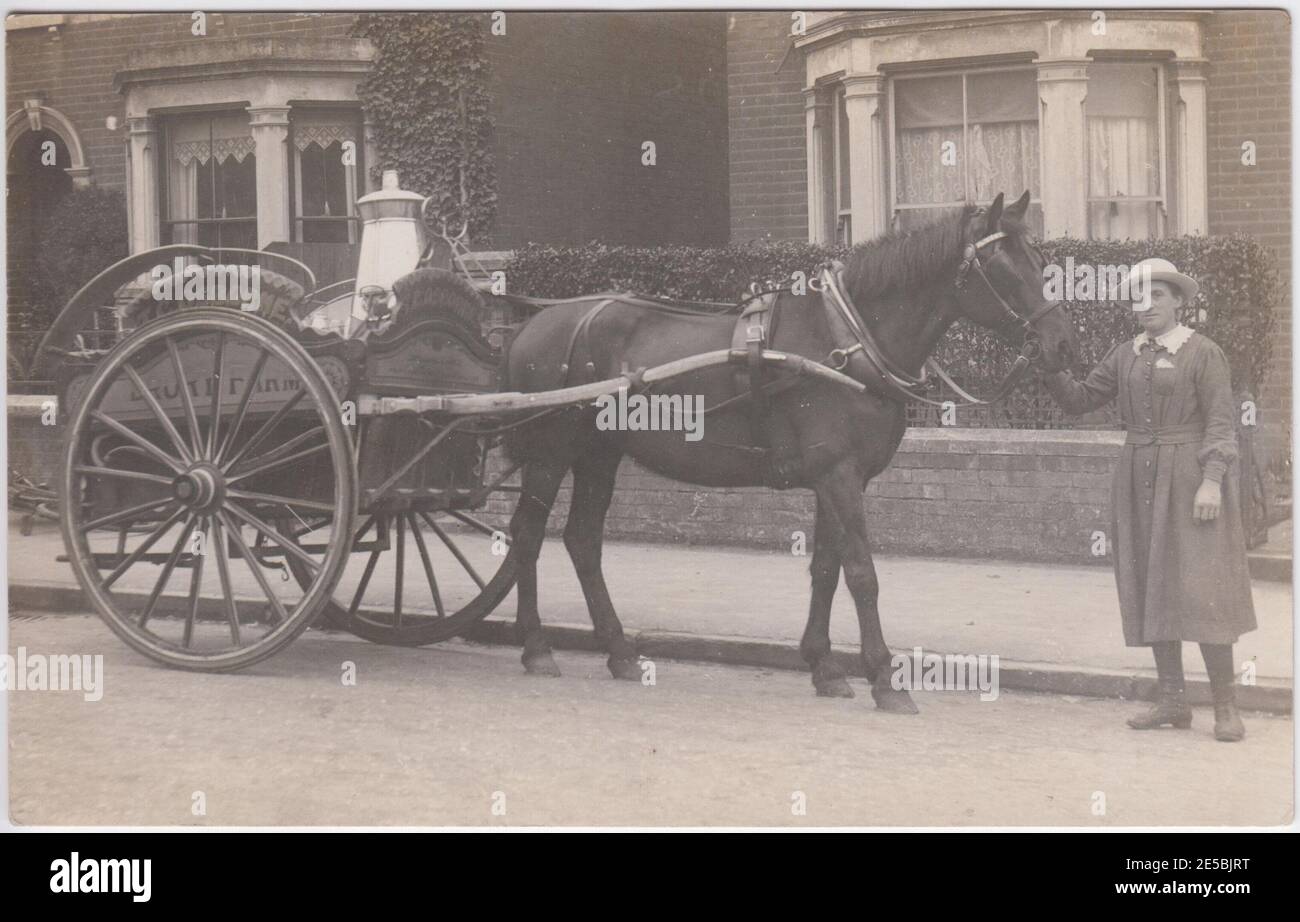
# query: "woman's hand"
{"type": "Point", "coordinates": [1209, 500]}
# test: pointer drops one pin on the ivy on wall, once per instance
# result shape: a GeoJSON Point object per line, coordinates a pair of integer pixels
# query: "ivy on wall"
{"type": "Point", "coordinates": [427, 97]}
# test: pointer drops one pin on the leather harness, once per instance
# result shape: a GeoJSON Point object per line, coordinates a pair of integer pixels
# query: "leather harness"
{"type": "Point", "coordinates": [856, 351]}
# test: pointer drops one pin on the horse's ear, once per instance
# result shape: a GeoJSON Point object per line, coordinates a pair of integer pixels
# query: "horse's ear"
{"type": "Point", "coordinates": [1018, 207]}
{"type": "Point", "coordinates": [995, 215]}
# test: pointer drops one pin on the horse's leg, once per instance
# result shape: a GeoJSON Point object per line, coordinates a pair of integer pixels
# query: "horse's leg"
{"type": "Point", "coordinates": [841, 489]}
{"type": "Point", "coordinates": [541, 481]}
{"type": "Point", "coordinates": [827, 675]}
{"type": "Point", "coordinates": [593, 488]}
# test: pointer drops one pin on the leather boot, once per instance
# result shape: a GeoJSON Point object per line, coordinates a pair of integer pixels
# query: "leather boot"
{"type": "Point", "coordinates": [1171, 700]}
{"type": "Point", "coordinates": [1171, 709]}
{"type": "Point", "coordinates": [1228, 727]}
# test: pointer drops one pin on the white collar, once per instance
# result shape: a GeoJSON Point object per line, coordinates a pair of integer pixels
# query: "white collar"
{"type": "Point", "coordinates": [1172, 340]}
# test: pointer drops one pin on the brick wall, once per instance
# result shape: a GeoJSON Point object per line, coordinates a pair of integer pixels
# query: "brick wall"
{"type": "Point", "coordinates": [769, 195]}
{"type": "Point", "coordinates": [1249, 99]}
{"type": "Point", "coordinates": [575, 95]}
{"type": "Point", "coordinates": [1003, 493]}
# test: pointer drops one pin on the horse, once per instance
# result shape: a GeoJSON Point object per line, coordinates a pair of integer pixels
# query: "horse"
{"type": "Point", "coordinates": [905, 290]}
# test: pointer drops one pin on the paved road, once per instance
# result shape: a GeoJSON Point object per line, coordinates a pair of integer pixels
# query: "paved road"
{"type": "Point", "coordinates": [429, 736]}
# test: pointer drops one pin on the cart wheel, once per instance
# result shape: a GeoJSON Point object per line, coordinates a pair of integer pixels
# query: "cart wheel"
{"type": "Point", "coordinates": [159, 478]}
{"type": "Point", "coordinates": [418, 578]}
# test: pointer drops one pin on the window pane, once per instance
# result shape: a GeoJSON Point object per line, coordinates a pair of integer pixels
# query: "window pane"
{"type": "Point", "coordinates": [1003, 112]}
{"type": "Point", "coordinates": [1123, 149]}
{"type": "Point", "coordinates": [325, 186]}
{"type": "Point", "coordinates": [211, 175]}
{"type": "Point", "coordinates": [928, 117]}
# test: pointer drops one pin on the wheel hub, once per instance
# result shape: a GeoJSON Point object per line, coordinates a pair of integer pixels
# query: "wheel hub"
{"type": "Point", "coordinates": [200, 488]}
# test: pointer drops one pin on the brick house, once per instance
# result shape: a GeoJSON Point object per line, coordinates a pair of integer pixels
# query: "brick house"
{"type": "Point", "coordinates": [1130, 124]}
{"type": "Point", "coordinates": [235, 136]}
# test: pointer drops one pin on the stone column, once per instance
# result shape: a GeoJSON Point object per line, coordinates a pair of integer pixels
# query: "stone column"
{"type": "Point", "coordinates": [1062, 132]}
{"type": "Point", "coordinates": [867, 167]}
{"type": "Point", "coordinates": [1190, 147]}
{"type": "Point", "coordinates": [142, 184]}
{"type": "Point", "coordinates": [270, 127]}
{"type": "Point", "coordinates": [817, 118]}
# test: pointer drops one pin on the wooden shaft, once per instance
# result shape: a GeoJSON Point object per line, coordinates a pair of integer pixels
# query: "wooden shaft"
{"type": "Point", "coordinates": [506, 402]}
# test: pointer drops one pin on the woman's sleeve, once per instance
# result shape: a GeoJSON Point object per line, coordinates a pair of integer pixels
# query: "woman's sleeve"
{"type": "Point", "coordinates": [1214, 394]}
{"type": "Point", "coordinates": [1097, 390]}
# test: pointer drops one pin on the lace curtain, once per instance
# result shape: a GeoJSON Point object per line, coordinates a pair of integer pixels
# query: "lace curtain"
{"type": "Point", "coordinates": [995, 149]}
{"type": "Point", "coordinates": [1123, 149]}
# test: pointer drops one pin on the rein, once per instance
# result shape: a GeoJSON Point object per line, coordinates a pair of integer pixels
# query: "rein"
{"type": "Point", "coordinates": [897, 381]}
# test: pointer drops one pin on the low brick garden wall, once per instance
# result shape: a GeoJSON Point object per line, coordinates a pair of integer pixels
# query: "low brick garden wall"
{"type": "Point", "coordinates": [1010, 493]}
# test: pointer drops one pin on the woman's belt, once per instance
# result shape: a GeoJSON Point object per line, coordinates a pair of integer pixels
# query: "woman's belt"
{"type": "Point", "coordinates": [1165, 435]}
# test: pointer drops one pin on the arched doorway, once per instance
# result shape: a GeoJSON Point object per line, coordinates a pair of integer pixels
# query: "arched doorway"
{"type": "Point", "coordinates": [37, 178]}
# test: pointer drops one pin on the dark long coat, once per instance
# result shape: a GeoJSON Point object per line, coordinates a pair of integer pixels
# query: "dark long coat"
{"type": "Point", "coordinates": [1178, 579]}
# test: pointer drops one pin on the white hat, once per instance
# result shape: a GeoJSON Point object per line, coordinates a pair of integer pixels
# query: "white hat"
{"type": "Point", "coordinates": [1162, 270]}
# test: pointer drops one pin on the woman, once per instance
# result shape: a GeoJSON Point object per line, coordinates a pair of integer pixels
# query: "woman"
{"type": "Point", "coordinates": [1177, 542]}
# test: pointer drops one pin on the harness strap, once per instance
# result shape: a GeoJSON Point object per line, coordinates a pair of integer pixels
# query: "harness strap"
{"type": "Point", "coordinates": [580, 331]}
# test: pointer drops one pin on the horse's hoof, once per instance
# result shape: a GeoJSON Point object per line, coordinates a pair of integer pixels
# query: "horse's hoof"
{"type": "Point", "coordinates": [837, 687]}
{"type": "Point", "coordinates": [629, 670]}
{"type": "Point", "coordinates": [542, 664]}
{"type": "Point", "coordinates": [893, 701]}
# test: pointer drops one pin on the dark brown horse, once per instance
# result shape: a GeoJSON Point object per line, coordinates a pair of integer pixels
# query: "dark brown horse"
{"type": "Point", "coordinates": [833, 441]}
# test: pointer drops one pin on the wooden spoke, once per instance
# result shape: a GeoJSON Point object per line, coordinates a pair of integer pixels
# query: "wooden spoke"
{"type": "Point", "coordinates": [428, 566]}
{"type": "Point", "coordinates": [279, 500]}
{"type": "Point", "coordinates": [167, 569]}
{"type": "Point", "coordinates": [280, 462]}
{"type": "Point", "coordinates": [153, 450]}
{"type": "Point", "coordinates": [243, 407]}
{"type": "Point", "coordinates": [196, 582]}
{"type": "Point", "coordinates": [290, 445]}
{"type": "Point", "coordinates": [400, 523]}
{"type": "Point", "coordinates": [365, 581]}
{"type": "Point", "coordinates": [190, 416]}
{"type": "Point", "coordinates": [93, 471]}
{"type": "Point", "coordinates": [163, 419]}
{"type": "Point", "coordinates": [227, 590]}
{"type": "Point", "coordinates": [456, 552]}
{"type": "Point", "coordinates": [218, 372]}
{"type": "Point", "coordinates": [125, 515]}
{"type": "Point", "coordinates": [289, 546]}
{"type": "Point", "coordinates": [140, 551]}
{"type": "Point", "coordinates": [276, 605]}
{"type": "Point", "coordinates": [264, 431]}
{"type": "Point", "coordinates": [479, 525]}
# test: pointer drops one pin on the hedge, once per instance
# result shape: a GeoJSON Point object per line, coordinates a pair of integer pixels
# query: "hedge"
{"type": "Point", "coordinates": [1236, 306]}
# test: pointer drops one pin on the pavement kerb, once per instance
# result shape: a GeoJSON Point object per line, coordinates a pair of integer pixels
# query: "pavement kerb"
{"type": "Point", "coordinates": [1267, 695]}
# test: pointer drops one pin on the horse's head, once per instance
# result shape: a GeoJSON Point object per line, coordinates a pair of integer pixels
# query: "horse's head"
{"type": "Point", "coordinates": [1000, 286]}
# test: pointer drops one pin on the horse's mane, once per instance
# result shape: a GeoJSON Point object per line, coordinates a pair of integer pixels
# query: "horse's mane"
{"type": "Point", "coordinates": [897, 262]}
{"type": "Point", "coordinates": [437, 291]}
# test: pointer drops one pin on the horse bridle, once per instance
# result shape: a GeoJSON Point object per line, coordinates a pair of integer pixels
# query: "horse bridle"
{"type": "Point", "coordinates": [1030, 346]}
{"type": "Point", "coordinates": [905, 385]}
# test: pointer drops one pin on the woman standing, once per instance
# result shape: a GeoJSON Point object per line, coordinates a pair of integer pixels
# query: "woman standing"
{"type": "Point", "coordinates": [1177, 541]}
